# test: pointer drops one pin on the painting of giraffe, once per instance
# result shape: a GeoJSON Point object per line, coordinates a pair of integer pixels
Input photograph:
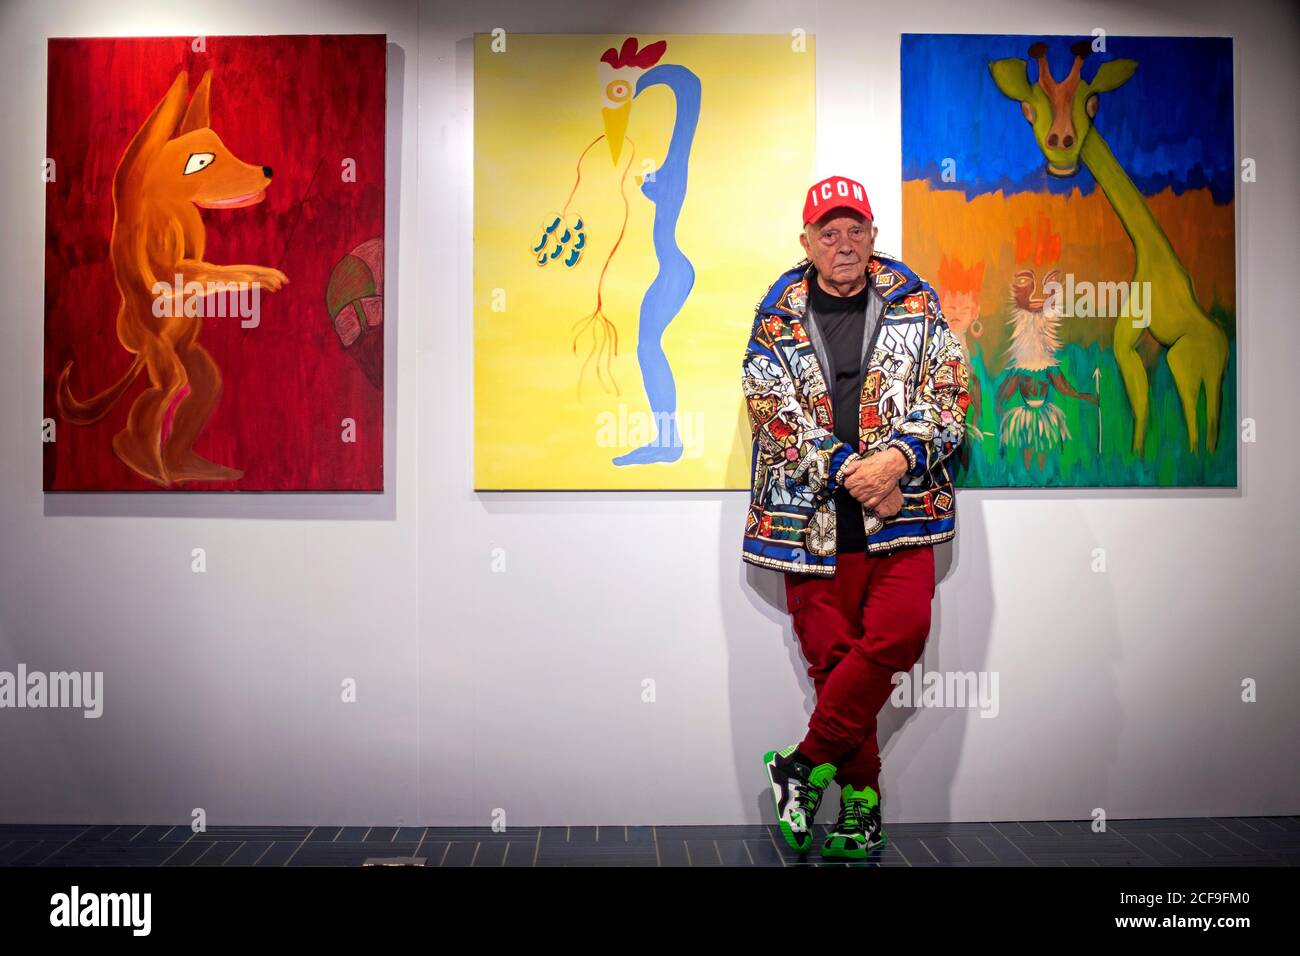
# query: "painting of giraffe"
{"type": "Point", "coordinates": [1094, 180]}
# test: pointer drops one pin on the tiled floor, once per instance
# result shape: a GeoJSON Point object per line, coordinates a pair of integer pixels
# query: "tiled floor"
{"type": "Point", "coordinates": [1250, 841]}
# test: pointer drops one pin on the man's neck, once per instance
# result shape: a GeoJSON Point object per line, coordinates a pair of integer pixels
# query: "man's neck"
{"type": "Point", "coordinates": [842, 289]}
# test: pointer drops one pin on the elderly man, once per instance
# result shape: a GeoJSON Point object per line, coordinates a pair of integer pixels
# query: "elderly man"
{"type": "Point", "coordinates": [857, 393]}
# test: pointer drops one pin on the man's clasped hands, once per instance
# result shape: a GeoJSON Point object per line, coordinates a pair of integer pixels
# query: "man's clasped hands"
{"type": "Point", "coordinates": [873, 481]}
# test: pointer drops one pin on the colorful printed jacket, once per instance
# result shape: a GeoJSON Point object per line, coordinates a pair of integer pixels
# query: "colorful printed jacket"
{"type": "Point", "coordinates": [914, 398]}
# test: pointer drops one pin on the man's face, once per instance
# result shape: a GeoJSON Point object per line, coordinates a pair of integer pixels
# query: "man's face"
{"type": "Point", "coordinates": [840, 244]}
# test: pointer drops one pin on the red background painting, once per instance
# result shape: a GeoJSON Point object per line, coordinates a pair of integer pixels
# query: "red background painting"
{"type": "Point", "coordinates": [299, 104]}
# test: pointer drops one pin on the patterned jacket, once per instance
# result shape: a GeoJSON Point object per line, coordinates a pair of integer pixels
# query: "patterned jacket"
{"type": "Point", "coordinates": [914, 398]}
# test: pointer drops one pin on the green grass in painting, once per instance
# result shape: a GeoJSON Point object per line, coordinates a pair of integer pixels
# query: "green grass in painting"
{"type": "Point", "coordinates": [1166, 460]}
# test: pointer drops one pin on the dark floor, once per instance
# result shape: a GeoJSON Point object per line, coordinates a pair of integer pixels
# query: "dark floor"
{"type": "Point", "coordinates": [1248, 841]}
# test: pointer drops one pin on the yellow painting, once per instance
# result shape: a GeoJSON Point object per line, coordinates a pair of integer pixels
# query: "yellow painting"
{"type": "Point", "coordinates": [634, 198]}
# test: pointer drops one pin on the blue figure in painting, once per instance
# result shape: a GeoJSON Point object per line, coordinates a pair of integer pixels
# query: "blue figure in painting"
{"type": "Point", "coordinates": [624, 74]}
{"type": "Point", "coordinates": [666, 188]}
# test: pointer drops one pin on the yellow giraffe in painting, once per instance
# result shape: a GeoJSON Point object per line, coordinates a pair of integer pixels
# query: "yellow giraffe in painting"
{"type": "Point", "coordinates": [1061, 115]}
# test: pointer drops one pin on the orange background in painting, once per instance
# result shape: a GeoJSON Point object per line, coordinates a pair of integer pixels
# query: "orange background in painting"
{"type": "Point", "coordinates": [1094, 247]}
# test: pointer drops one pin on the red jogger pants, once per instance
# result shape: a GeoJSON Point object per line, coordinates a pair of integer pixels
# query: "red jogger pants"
{"type": "Point", "coordinates": [857, 629]}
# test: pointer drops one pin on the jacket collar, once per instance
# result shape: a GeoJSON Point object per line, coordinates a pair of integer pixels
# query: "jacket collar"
{"type": "Point", "coordinates": [789, 294]}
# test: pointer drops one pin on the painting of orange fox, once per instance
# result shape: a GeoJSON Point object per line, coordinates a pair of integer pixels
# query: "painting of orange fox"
{"type": "Point", "coordinates": [216, 197]}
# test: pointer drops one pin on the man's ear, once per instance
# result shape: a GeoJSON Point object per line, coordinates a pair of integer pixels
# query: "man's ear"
{"type": "Point", "coordinates": [1012, 77]}
{"type": "Point", "coordinates": [197, 116]}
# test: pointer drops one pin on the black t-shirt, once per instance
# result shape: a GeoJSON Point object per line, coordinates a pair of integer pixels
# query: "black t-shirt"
{"type": "Point", "coordinates": [842, 323]}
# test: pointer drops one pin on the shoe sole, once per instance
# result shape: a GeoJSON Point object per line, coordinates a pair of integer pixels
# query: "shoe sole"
{"type": "Point", "coordinates": [800, 847]}
{"type": "Point", "coordinates": [851, 854]}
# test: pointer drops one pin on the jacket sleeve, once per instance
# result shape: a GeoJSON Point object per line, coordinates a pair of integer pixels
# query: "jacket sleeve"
{"type": "Point", "coordinates": [935, 422]}
{"type": "Point", "coordinates": [811, 458]}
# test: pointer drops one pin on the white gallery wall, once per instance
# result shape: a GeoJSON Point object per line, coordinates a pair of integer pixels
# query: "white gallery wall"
{"type": "Point", "coordinates": [500, 641]}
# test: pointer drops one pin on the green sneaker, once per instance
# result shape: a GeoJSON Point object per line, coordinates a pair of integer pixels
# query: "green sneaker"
{"type": "Point", "coordinates": [797, 790]}
{"type": "Point", "coordinates": [858, 831]}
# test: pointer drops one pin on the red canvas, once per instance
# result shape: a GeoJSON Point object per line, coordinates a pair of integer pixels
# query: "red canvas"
{"type": "Point", "coordinates": [253, 162]}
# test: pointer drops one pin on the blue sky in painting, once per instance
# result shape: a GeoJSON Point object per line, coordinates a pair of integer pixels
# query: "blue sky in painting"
{"type": "Point", "coordinates": [1170, 125]}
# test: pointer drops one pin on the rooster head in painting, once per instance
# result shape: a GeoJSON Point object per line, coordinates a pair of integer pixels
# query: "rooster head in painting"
{"type": "Point", "coordinates": [618, 72]}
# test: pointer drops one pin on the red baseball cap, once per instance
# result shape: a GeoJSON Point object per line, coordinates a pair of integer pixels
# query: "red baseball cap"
{"type": "Point", "coordinates": [835, 192]}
